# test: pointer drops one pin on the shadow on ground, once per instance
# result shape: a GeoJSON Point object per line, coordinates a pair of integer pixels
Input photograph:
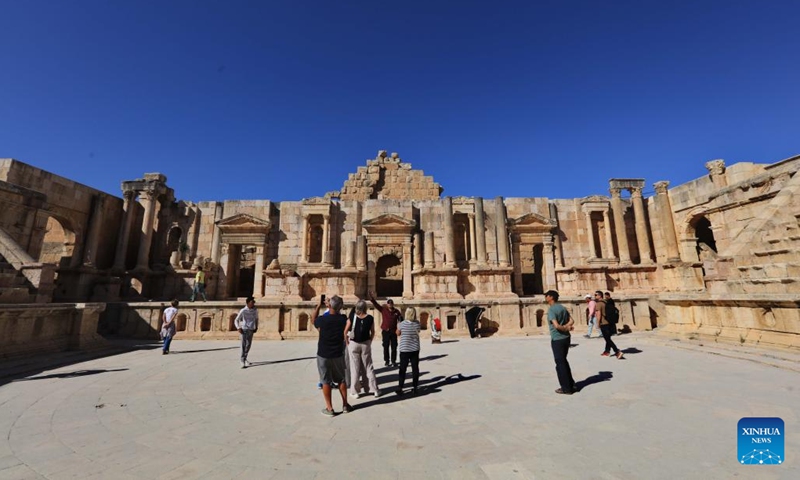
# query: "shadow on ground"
{"type": "Point", "coordinates": [427, 387]}
{"type": "Point", "coordinates": [600, 377]}
{"type": "Point", "coordinates": [77, 373]}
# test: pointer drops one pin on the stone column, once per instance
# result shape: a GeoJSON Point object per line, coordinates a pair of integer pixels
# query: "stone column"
{"type": "Point", "coordinates": [417, 250]}
{"type": "Point", "coordinates": [559, 253]}
{"type": "Point", "coordinates": [480, 231]}
{"type": "Point", "coordinates": [326, 225]}
{"type": "Point", "coordinates": [125, 229]}
{"type": "Point", "coordinates": [590, 234]}
{"type": "Point", "coordinates": [304, 252]}
{"type": "Point", "coordinates": [232, 269]}
{"type": "Point", "coordinates": [549, 266]}
{"type": "Point", "coordinates": [258, 281]}
{"type": "Point", "coordinates": [449, 240]}
{"type": "Point", "coordinates": [619, 224]}
{"type": "Point", "coordinates": [502, 232]}
{"type": "Point", "coordinates": [429, 253]}
{"type": "Point", "coordinates": [408, 290]}
{"type": "Point", "coordinates": [641, 226]}
{"type": "Point", "coordinates": [515, 248]}
{"type": "Point", "coordinates": [193, 234]}
{"type": "Point", "coordinates": [217, 235]}
{"type": "Point", "coordinates": [350, 254]}
{"type": "Point", "coordinates": [93, 237]}
{"type": "Point", "coordinates": [667, 221]}
{"type": "Point", "coordinates": [716, 170]}
{"type": "Point", "coordinates": [609, 244]}
{"type": "Point", "coordinates": [472, 253]}
{"type": "Point", "coordinates": [361, 252]}
{"type": "Point", "coordinates": [150, 204]}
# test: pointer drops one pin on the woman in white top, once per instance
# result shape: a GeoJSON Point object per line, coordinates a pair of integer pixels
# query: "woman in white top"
{"type": "Point", "coordinates": [408, 331]}
{"type": "Point", "coordinates": [358, 333]}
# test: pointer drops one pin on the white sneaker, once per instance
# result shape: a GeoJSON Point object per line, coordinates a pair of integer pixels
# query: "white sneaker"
{"type": "Point", "coordinates": [377, 393]}
{"type": "Point", "coordinates": [244, 365]}
{"type": "Point", "coordinates": [248, 363]}
{"type": "Point", "coordinates": [355, 395]}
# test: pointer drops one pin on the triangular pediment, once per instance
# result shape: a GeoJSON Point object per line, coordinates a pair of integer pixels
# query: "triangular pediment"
{"type": "Point", "coordinates": [533, 220]}
{"type": "Point", "coordinates": [390, 220]}
{"type": "Point", "coordinates": [243, 220]}
{"type": "Point", "coordinates": [595, 199]}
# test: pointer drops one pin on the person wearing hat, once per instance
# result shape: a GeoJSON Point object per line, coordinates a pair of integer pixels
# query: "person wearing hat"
{"type": "Point", "coordinates": [390, 316]}
{"type": "Point", "coordinates": [592, 314]}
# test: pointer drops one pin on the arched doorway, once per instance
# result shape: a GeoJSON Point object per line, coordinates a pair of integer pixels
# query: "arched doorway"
{"type": "Point", "coordinates": [704, 234]}
{"type": "Point", "coordinates": [58, 243]}
{"type": "Point", "coordinates": [389, 276]}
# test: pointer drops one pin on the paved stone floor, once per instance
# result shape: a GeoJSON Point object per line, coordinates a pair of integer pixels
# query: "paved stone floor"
{"type": "Point", "coordinates": [669, 410]}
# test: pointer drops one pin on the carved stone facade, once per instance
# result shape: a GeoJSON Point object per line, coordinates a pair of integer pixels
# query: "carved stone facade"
{"type": "Point", "coordinates": [718, 256]}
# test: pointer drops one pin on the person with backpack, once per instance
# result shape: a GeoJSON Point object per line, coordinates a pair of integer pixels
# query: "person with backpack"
{"type": "Point", "coordinates": [612, 313]}
{"type": "Point", "coordinates": [605, 325]}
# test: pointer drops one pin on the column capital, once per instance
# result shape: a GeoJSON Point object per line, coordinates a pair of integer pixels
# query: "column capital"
{"type": "Point", "coordinates": [129, 195]}
{"type": "Point", "coordinates": [661, 187]}
{"type": "Point", "coordinates": [615, 192]}
{"type": "Point", "coordinates": [326, 217]}
{"type": "Point", "coordinates": [715, 167]}
{"type": "Point", "coordinates": [636, 192]}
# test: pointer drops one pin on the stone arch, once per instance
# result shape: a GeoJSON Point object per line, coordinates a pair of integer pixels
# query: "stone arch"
{"type": "Point", "coordinates": [302, 322]}
{"type": "Point", "coordinates": [451, 320]}
{"type": "Point", "coordinates": [232, 322]}
{"type": "Point", "coordinates": [389, 276]}
{"type": "Point", "coordinates": [59, 242]}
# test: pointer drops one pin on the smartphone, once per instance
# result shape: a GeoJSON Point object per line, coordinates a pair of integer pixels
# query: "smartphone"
{"type": "Point", "coordinates": [322, 299]}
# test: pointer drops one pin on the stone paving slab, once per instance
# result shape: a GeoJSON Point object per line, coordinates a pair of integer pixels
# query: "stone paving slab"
{"type": "Point", "coordinates": [487, 411]}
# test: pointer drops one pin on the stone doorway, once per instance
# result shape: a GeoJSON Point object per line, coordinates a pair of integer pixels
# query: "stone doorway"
{"type": "Point", "coordinates": [532, 282]}
{"type": "Point", "coordinates": [389, 276]}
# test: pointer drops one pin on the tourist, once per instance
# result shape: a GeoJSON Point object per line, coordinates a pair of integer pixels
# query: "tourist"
{"type": "Point", "coordinates": [560, 323]}
{"type": "Point", "coordinates": [330, 354]}
{"type": "Point", "coordinates": [436, 331]}
{"type": "Point", "coordinates": [326, 302]}
{"type": "Point", "coordinates": [592, 320]}
{"type": "Point", "coordinates": [390, 316]}
{"type": "Point", "coordinates": [247, 324]}
{"type": "Point", "coordinates": [199, 284]}
{"type": "Point", "coordinates": [408, 331]}
{"type": "Point", "coordinates": [359, 332]}
{"type": "Point", "coordinates": [612, 313]}
{"type": "Point", "coordinates": [168, 326]}
{"type": "Point", "coordinates": [605, 326]}
{"type": "Point", "coordinates": [473, 315]}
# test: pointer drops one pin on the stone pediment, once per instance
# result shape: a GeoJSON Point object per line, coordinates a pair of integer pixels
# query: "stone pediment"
{"type": "Point", "coordinates": [243, 221]}
{"type": "Point", "coordinates": [532, 221]}
{"type": "Point", "coordinates": [389, 223]}
{"type": "Point", "coordinates": [244, 229]}
{"type": "Point", "coordinates": [595, 199]}
{"type": "Point", "coordinates": [317, 201]}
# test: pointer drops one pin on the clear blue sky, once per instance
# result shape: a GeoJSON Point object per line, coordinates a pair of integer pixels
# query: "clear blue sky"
{"type": "Point", "coordinates": [282, 99]}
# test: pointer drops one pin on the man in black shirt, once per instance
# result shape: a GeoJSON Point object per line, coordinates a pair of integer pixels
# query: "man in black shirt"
{"type": "Point", "coordinates": [330, 353]}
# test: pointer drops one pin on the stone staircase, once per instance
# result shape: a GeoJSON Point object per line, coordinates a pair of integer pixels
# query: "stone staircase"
{"type": "Point", "coordinates": [14, 287]}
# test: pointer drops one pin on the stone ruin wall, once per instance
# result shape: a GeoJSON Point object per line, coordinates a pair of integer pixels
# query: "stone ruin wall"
{"type": "Point", "coordinates": [744, 292]}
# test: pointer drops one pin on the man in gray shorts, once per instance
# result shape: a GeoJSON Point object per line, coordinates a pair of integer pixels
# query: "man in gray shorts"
{"type": "Point", "coordinates": [330, 355]}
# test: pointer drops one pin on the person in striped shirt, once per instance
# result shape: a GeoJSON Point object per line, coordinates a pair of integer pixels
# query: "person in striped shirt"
{"type": "Point", "coordinates": [408, 331]}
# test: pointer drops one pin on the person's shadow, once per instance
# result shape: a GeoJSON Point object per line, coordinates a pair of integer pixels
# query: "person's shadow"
{"type": "Point", "coordinates": [600, 377]}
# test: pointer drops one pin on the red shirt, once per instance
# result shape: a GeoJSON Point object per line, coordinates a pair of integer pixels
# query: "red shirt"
{"type": "Point", "coordinates": [390, 316]}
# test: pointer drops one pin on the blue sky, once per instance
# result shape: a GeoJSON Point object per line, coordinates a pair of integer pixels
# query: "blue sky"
{"type": "Point", "coordinates": [281, 100]}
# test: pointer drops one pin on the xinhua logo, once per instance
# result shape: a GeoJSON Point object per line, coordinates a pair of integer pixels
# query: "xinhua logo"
{"type": "Point", "coordinates": [761, 441]}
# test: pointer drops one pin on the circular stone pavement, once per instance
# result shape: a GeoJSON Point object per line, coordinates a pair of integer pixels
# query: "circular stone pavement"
{"type": "Point", "coordinates": [488, 410]}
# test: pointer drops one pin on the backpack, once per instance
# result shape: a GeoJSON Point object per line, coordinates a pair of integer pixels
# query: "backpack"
{"type": "Point", "coordinates": [612, 314]}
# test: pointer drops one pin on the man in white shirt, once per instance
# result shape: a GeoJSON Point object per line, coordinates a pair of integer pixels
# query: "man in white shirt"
{"type": "Point", "coordinates": [168, 326]}
{"type": "Point", "coordinates": [247, 324]}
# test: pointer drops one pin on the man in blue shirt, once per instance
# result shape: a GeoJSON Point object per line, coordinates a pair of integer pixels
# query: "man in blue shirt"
{"type": "Point", "coordinates": [560, 323]}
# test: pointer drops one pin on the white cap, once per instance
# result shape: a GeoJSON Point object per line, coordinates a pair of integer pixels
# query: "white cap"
{"type": "Point", "coordinates": [588, 295]}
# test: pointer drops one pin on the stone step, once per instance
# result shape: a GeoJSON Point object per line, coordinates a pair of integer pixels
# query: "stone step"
{"type": "Point", "coordinates": [11, 280]}
{"type": "Point", "coordinates": [16, 295]}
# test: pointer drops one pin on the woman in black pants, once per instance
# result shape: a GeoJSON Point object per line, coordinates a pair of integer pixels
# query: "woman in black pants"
{"type": "Point", "coordinates": [408, 331]}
